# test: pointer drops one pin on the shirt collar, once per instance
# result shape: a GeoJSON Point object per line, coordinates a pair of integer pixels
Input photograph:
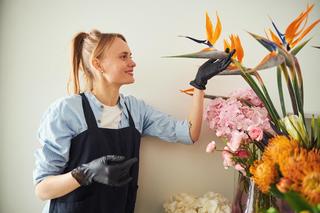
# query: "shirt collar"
{"type": "Point", "coordinates": [99, 105]}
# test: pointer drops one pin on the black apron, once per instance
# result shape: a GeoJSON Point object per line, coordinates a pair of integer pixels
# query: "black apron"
{"type": "Point", "coordinates": [91, 144]}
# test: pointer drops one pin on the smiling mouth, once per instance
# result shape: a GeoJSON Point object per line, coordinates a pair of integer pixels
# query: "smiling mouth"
{"type": "Point", "coordinates": [130, 72]}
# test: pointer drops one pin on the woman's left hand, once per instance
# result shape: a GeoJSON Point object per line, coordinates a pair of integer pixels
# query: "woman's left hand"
{"type": "Point", "coordinates": [209, 69]}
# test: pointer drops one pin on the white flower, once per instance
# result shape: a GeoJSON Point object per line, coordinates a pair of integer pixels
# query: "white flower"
{"type": "Point", "coordinates": [208, 203]}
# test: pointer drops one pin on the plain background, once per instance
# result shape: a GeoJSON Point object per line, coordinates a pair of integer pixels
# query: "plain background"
{"type": "Point", "coordinates": [35, 40]}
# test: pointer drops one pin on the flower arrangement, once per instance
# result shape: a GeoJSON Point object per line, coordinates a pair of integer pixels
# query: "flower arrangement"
{"type": "Point", "coordinates": [275, 150]}
{"type": "Point", "coordinates": [208, 203]}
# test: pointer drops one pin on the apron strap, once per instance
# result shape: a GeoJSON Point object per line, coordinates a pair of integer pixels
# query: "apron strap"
{"type": "Point", "coordinates": [131, 122]}
{"type": "Point", "coordinates": [91, 120]}
{"type": "Point", "coordinates": [88, 113]}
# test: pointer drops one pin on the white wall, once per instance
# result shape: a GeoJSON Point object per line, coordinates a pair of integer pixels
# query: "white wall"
{"type": "Point", "coordinates": [34, 41]}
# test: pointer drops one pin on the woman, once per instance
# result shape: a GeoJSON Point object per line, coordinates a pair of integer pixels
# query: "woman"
{"type": "Point", "coordinates": [88, 161]}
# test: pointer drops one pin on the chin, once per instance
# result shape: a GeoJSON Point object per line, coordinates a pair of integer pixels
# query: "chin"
{"type": "Point", "coordinates": [131, 81]}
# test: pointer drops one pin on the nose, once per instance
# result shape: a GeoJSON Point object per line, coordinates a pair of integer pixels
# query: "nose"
{"type": "Point", "coordinates": [132, 63]}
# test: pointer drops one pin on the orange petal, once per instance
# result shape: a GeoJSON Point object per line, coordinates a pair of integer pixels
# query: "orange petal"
{"type": "Point", "coordinates": [226, 44]}
{"type": "Point", "coordinates": [233, 45]}
{"type": "Point", "coordinates": [291, 30]}
{"type": "Point", "coordinates": [305, 33]}
{"type": "Point", "coordinates": [209, 29]}
{"type": "Point", "coordinates": [207, 49]}
{"type": "Point", "coordinates": [304, 25]}
{"type": "Point", "coordinates": [217, 31]}
{"type": "Point", "coordinates": [232, 42]}
{"type": "Point", "coordinates": [188, 91]}
{"type": "Point", "coordinates": [239, 49]}
{"type": "Point", "coordinates": [232, 67]}
{"type": "Point", "coordinates": [275, 38]}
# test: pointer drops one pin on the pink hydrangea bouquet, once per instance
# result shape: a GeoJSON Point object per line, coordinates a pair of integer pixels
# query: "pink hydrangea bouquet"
{"type": "Point", "coordinates": [242, 121]}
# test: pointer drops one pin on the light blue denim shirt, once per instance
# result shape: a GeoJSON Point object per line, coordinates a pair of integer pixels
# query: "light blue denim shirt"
{"type": "Point", "coordinates": [64, 120]}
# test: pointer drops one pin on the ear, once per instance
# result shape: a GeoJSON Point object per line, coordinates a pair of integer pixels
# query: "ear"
{"type": "Point", "coordinates": [96, 64]}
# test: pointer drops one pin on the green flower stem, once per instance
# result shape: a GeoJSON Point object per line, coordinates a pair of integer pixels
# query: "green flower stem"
{"type": "Point", "coordinates": [313, 131]}
{"type": "Point", "coordinates": [280, 90]}
{"type": "Point", "coordinates": [258, 77]}
{"type": "Point", "coordinates": [290, 88]}
{"type": "Point", "coordinates": [259, 93]}
{"type": "Point", "coordinates": [300, 79]}
{"type": "Point", "coordinates": [297, 91]}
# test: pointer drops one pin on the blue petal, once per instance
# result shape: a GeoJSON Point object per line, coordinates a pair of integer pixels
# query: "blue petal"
{"type": "Point", "coordinates": [198, 41]}
{"type": "Point", "coordinates": [281, 35]}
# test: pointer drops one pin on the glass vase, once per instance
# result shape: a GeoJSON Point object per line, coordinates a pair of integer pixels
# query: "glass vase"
{"type": "Point", "coordinates": [249, 199]}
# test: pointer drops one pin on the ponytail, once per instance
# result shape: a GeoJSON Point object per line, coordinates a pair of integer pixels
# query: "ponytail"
{"type": "Point", "coordinates": [77, 61]}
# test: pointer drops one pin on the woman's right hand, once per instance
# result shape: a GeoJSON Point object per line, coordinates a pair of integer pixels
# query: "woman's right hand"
{"type": "Point", "coordinates": [110, 170]}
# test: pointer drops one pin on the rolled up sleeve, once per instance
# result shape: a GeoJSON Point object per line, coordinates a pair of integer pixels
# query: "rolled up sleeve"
{"type": "Point", "coordinates": [54, 136]}
{"type": "Point", "coordinates": [164, 126]}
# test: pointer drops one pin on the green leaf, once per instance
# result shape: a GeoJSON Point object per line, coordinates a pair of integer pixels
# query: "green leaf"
{"type": "Point", "coordinates": [297, 49]}
{"type": "Point", "coordinates": [275, 192]}
{"type": "Point", "coordinates": [296, 202]}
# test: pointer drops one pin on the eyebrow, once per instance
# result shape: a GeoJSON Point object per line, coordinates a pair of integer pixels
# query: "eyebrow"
{"type": "Point", "coordinates": [126, 53]}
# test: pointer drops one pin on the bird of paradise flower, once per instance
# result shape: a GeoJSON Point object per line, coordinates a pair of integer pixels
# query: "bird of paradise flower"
{"type": "Point", "coordinates": [235, 43]}
{"type": "Point", "coordinates": [286, 44]}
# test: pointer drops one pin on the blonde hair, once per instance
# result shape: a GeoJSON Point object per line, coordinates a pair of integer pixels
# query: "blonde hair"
{"type": "Point", "coordinates": [85, 48]}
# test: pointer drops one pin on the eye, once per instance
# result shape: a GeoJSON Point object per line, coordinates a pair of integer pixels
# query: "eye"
{"type": "Point", "coordinates": [124, 57]}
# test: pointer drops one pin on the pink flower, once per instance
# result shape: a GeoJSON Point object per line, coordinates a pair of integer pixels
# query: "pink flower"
{"type": "Point", "coordinates": [236, 139]}
{"type": "Point", "coordinates": [255, 133]}
{"type": "Point", "coordinates": [227, 158]}
{"type": "Point", "coordinates": [240, 169]}
{"type": "Point", "coordinates": [247, 94]}
{"type": "Point", "coordinates": [242, 153]}
{"type": "Point", "coordinates": [211, 146]}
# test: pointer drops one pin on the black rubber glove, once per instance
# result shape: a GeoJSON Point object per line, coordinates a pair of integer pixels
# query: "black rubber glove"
{"type": "Point", "coordinates": [109, 170]}
{"type": "Point", "coordinates": [209, 69]}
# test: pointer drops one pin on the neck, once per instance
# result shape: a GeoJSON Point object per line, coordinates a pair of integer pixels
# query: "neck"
{"type": "Point", "coordinates": [107, 94]}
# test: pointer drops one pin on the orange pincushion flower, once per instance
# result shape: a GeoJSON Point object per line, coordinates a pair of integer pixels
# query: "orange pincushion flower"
{"type": "Point", "coordinates": [311, 187]}
{"type": "Point", "coordinates": [292, 166]}
{"type": "Point", "coordinates": [303, 168]}
{"type": "Point", "coordinates": [264, 174]}
{"type": "Point", "coordinates": [279, 148]}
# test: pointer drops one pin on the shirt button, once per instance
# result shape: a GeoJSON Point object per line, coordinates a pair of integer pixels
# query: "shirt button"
{"type": "Point", "coordinates": [101, 106]}
{"type": "Point", "coordinates": [99, 121]}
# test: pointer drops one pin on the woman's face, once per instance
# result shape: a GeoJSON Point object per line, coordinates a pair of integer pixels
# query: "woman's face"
{"type": "Point", "coordinates": [117, 64]}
